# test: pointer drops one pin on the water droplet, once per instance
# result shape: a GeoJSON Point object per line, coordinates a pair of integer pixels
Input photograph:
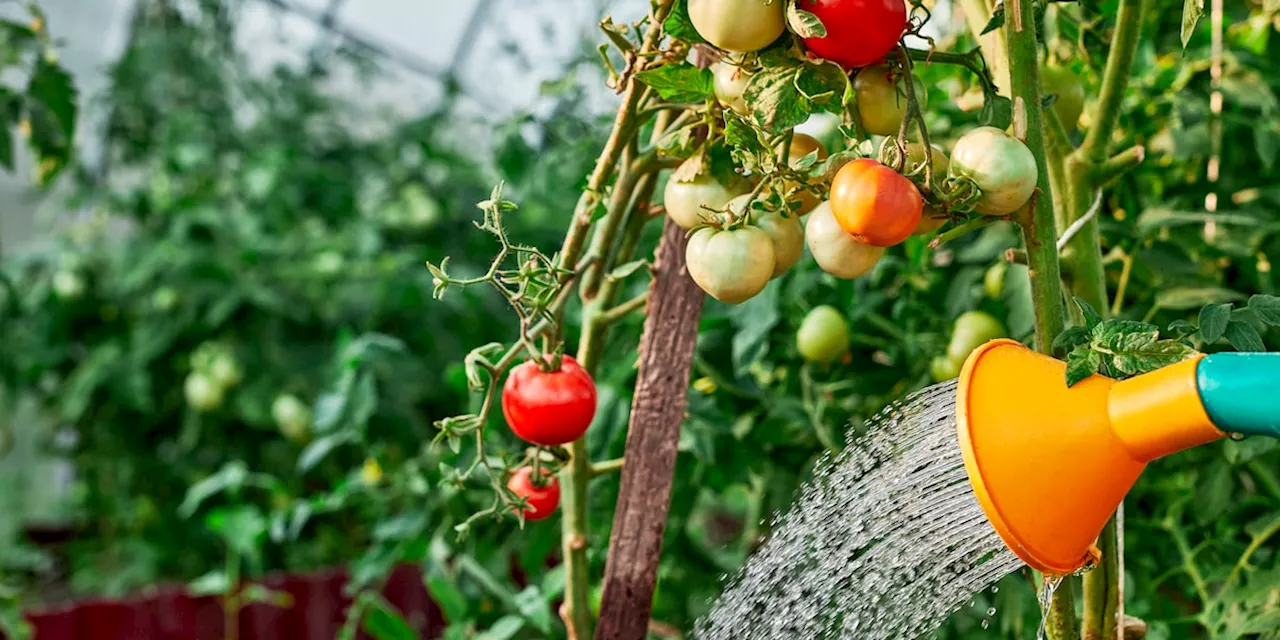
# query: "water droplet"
{"type": "Point", "coordinates": [995, 589]}
{"type": "Point", "coordinates": [1238, 436]}
{"type": "Point", "coordinates": [991, 611]}
{"type": "Point", "coordinates": [986, 623]}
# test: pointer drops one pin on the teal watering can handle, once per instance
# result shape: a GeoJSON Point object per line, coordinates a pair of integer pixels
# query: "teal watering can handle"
{"type": "Point", "coordinates": [1241, 392]}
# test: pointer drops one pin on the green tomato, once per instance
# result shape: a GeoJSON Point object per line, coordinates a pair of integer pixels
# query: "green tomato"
{"type": "Point", "coordinates": [292, 417]}
{"type": "Point", "coordinates": [731, 266]}
{"type": "Point", "coordinates": [1000, 164]}
{"type": "Point", "coordinates": [688, 203]}
{"type": "Point", "coordinates": [943, 368]}
{"type": "Point", "coordinates": [730, 83]}
{"type": "Point", "coordinates": [993, 282]}
{"type": "Point", "coordinates": [835, 251]}
{"type": "Point", "coordinates": [972, 330]}
{"type": "Point", "coordinates": [225, 370]}
{"type": "Point", "coordinates": [741, 26]}
{"type": "Point", "coordinates": [881, 103]}
{"type": "Point", "coordinates": [1069, 90]}
{"type": "Point", "coordinates": [68, 285]}
{"type": "Point", "coordinates": [785, 231]}
{"type": "Point", "coordinates": [202, 392]}
{"type": "Point", "coordinates": [823, 335]}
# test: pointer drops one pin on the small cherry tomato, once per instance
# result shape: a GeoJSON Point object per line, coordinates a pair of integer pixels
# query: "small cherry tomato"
{"type": "Point", "coordinates": [1001, 166]}
{"type": "Point", "coordinates": [202, 392]}
{"type": "Point", "coordinates": [874, 203]}
{"type": "Point", "coordinates": [859, 32]}
{"type": "Point", "coordinates": [835, 251]}
{"type": "Point", "coordinates": [993, 281]}
{"type": "Point", "coordinates": [549, 408]}
{"type": "Point", "coordinates": [943, 368]}
{"type": "Point", "coordinates": [741, 26]}
{"type": "Point", "coordinates": [823, 335]}
{"type": "Point", "coordinates": [801, 146]}
{"type": "Point", "coordinates": [882, 103]}
{"type": "Point", "coordinates": [292, 417]}
{"type": "Point", "coordinates": [731, 266]}
{"type": "Point", "coordinates": [688, 203]}
{"type": "Point", "coordinates": [730, 83]}
{"type": "Point", "coordinates": [1069, 91]}
{"type": "Point", "coordinates": [542, 500]}
{"type": "Point", "coordinates": [784, 230]}
{"type": "Point", "coordinates": [972, 330]}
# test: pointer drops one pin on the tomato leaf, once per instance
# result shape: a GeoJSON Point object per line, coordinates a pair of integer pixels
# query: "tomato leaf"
{"type": "Point", "coordinates": [1213, 492]}
{"type": "Point", "coordinates": [827, 169]}
{"type": "Point", "coordinates": [384, 622]}
{"type": "Point", "coordinates": [1267, 308]}
{"type": "Point", "coordinates": [1091, 317]}
{"type": "Point", "coordinates": [1191, 12]}
{"type": "Point", "coordinates": [1244, 337]}
{"type": "Point", "coordinates": [1071, 338]}
{"type": "Point", "coordinates": [1181, 298]}
{"type": "Point", "coordinates": [997, 111]}
{"type": "Point", "coordinates": [1131, 348]}
{"type": "Point", "coordinates": [803, 23]}
{"type": "Point", "coordinates": [776, 103]}
{"type": "Point", "coordinates": [996, 21]}
{"type": "Point", "coordinates": [1266, 138]}
{"type": "Point", "coordinates": [1213, 321]}
{"type": "Point", "coordinates": [1081, 364]}
{"type": "Point", "coordinates": [679, 82]}
{"type": "Point", "coordinates": [1181, 328]}
{"type": "Point", "coordinates": [504, 629]}
{"type": "Point", "coordinates": [678, 25]}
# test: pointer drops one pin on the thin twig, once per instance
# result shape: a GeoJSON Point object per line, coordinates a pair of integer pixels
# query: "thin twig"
{"type": "Point", "coordinates": [1081, 221]}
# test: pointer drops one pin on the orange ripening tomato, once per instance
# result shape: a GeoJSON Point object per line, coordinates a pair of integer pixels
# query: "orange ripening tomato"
{"type": "Point", "coordinates": [875, 204]}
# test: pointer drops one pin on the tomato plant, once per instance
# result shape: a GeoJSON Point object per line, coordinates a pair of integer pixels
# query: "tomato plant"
{"type": "Point", "coordinates": [858, 32]}
{"type": "Point", "coordinates": [741, 26]}
{"type": "Point", "coordinates": [691, 203]}
{"type": "Point", "coordinates": [875, 204]}
{"type": "Point", "coordinates": [548, 406]}
{"type": "Point", "coordinates": [882, 105]}
{"type": "Point", "coordinates": [783, 229]}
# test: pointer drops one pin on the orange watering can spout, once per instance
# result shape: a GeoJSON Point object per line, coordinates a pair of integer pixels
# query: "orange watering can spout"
{"type": "Point", "coordinates": [1050, 464]}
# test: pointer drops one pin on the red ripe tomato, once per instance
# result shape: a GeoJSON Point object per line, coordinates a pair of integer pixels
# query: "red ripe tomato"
{"type": "Point", "coordinates": [543, 500]}
{"type": "Point", "coordinates": [549, 407]}
{"type": "Point", "coordinates": [859, 32]}
{"type": "Point", "coordinates": [875, 204]}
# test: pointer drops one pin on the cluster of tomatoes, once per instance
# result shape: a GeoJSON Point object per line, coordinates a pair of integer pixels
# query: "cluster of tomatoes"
{"type": "Point", "coordinates": [548, 405]}
{"type": "Point", "coordinates": [740, 241]}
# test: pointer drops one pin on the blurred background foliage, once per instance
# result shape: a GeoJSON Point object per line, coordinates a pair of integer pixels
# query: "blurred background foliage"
{"type": "Point", "coordinates": [263, 235]}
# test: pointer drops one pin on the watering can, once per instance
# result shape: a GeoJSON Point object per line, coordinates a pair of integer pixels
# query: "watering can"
{"type": "Point", "coordinates": [1050, 464]}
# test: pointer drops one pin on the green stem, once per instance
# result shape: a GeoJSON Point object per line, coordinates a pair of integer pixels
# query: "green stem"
{"type": "Point", "coordinates": [1087, 169]}
{"type": "Point", "coordinates": [1039, 232]}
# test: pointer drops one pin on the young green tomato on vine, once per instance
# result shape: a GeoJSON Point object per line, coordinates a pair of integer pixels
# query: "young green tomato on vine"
{"type": "Point", "coordinates": [1000, 165]}
{"type": "Point", "coordinates": [542, 496]}
{"type": "Point", "coordinates": [292, 417]}
{"type": "Point", "coordinates": [690, 202]}
{"type": "Point", "coordinates": [729, 83]}
{"type": "Point", "coordinates": [835, 251]}
{"type": "Point", "coordinates": [783, 229]}
{"type": "Point", "coordinates": [823, 335]}
{"type": "Point", "coordinates": [972, 330]}
{"type": "Point", "coordinates": [732, 264]}
{"type": "Point", "coordinates": [740, 26]}
{"type": "Point", "coordinates": [882, 104]}
{"type": "Point", "coordinates": [1068, 93]}
{"type": "Point", "coordinates": [549, 407]}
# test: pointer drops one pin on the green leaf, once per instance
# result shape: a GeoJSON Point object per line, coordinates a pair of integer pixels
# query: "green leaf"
{"type": "Point", "coordinates": [996, 21]}
{"type": "Point", "coordinates": [803, 23]}
{"type": "Point", "coordinates": [997, 111]}
{"type": "Point", "coordinates": [1267, 308]}
{"type": "Point", "coordinates": [1244, 337]}
{"type": "Point", "coordinates": [53, 88]}
{"type": "Point", "coordinates": [753, 320]}
{"type": "Point", "coordinates": [679, 82]}
{"type": "Point", "coordinates": [1081, 364]}
{"type": "Point", "coordinates": [243, 528]}
{"type": "Point", "coordinates": [1091, 316]}
{"type": "Point", "coordinates": [504, 629]}
{"type": "Point", "coordinates": [827, 169]}
{"type": "Point", "coordinates": [1131, 348]}
{"type": "Point", "coordinates": [210, 584]}
{"type": "Point", "coordinates": [776, 103]}
{"type": "Point", "coordinates": [1071, 338]}
{"type": "Point", "coordinates": [1181, 328]}
{"type": "Point", "coordinates": [678, 25]}
{"type": "Point", "coordinates": [1182, 298]}
{"type": "Point", "coordinates": [533, 607]}
{"type": "Point", "coordinates": [230, 477]}
{"type": "Point", "coordinates": [6, 146]}
{"type": "Point", "coordinates": [1213, 321]}
{"type": "Point", "coordinates": [1266, 138]}
{"type": "Point", "coordinates": [1213, 492]}
{"type": "Point", "coordinates": [272, 597]}
{"type": "Point", "coordinates": [1191, 12]}
{"type": "Point", "coordinates": [320, 449]}
{"type": "Point", "coordinates": [384, 622]}
{"type": "Point", "coordinates": [446, 594]}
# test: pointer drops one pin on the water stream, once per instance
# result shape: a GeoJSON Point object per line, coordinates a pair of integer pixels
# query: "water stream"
{"type": "Point", "coordinates": [886, 541]}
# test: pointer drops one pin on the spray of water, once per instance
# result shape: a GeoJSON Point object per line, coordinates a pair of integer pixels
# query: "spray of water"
{"type": "Point", "coordinates": [885, 542]}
